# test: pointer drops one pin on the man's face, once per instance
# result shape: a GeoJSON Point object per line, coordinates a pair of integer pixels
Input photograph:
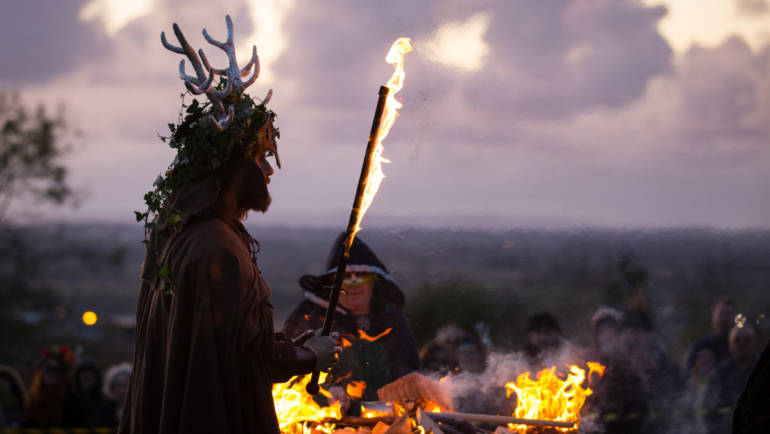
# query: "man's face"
{"type": "Point", "coordinates": [607, 339]}
{"type": "Point", "coordinates": [254, 193]}
{"type": "Point", "coordinates": [544, 338]}
{"type": "Point", "coordinates": [705, 361]}
{"type": "Point", "coordinates": [359, 288]}
{"type": "Point", "coordinates": [722, 319]}
{"type": "Point", "coordinates": [119, 386]}
{"type": "Point", "coordinates": [742, 343]}
{"type": "Point", "coordinates": [87, 379]}
{"type": "Point", "coordinates": [52, 371]}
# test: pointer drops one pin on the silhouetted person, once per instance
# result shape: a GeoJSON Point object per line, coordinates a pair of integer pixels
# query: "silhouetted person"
{"type": "Point", "coordinates": [116, 385]}
{"type": "Point", "coordinates": [543, 336]}
{"type": "Point", "coordinates": [12, 397]}
{"type": "Point", "coordinates": [722, 320]}
{"type": "Point", "coordinates": [380, 347]}
{"type": "Point", "coordinates": [49, 389]}
{"type": "Point", "coordinates": [454, 350]}
{"type": "Point", "coordinates": [663, 383]}
{"type": "Point", "coordinates": [752, 415]}
{"type": "Point", "coordinates": [87, 407]}
{"type": "Point", "coordinates": [723, 388]}
{"type": "Point", "coordinates": [619, 397]}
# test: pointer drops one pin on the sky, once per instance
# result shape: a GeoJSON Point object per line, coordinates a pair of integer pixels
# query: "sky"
{"type": "Point", "coordinates": [609, 113]}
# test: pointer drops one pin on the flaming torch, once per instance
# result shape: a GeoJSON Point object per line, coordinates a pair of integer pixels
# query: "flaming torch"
{"type": "Point", "coordinates": [371, 174]}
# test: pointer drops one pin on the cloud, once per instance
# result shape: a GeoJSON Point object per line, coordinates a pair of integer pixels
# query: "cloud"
{"type": "Point", "coordinates": [752, 7]}
{"type": "Point", "coordinates": [557, 59]}
{"type": "Point", "coordinates": [578, 111]}
{"type": "Point", "coordinates": [460, 44]}
{"type": "Point", "coordinates": [43, 39]}
{"type": "Point", "coordinates": [115, 14]}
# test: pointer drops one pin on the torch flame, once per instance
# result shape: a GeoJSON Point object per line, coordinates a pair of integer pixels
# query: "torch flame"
{"type": "Point", "coordinates": [550, 397]}
{"type": "Point", "coordinates": [376, 175]}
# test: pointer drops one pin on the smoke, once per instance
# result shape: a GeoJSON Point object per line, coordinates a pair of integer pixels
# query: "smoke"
{"type": "Point", "coordinates": [484, 392]}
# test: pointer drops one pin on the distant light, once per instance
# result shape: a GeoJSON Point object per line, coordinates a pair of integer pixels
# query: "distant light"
{"type": "Point", "coordinates": [89, 318]}
{"type": "Point", "coordinates": [740, 320]}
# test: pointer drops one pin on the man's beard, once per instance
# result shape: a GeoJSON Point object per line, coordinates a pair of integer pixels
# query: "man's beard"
{"type": "Point", "coordinates": [256, 196]}
{"type": "Point", "coordinates": [260, 204]}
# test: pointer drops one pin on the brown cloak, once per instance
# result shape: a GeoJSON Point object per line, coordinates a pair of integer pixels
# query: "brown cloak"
{"type": "Point", "coordinates": [205, 357]}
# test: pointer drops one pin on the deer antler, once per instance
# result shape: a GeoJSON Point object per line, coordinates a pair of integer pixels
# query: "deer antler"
{"type": "Point", "coordinates": [223, 101]}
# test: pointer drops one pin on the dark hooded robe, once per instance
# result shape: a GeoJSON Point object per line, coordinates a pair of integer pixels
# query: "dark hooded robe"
{"type": "Point", "coordinates": [378, 348]}
{"type": "Point", "coordinates": [752, 414]}
{"type": "Point", "coordinates": [205, 355]}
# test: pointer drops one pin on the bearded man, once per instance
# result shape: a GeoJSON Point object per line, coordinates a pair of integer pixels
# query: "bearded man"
{"type": "Point", "coordinates": [205, 355]}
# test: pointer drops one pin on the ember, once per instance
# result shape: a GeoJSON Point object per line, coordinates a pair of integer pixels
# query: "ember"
{"type": "Point", "coordinates": [362, 335]}
{"type": "Point", "coordinates": [356, 389]}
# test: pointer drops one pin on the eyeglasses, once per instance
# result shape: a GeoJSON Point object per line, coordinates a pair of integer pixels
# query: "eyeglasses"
{"type": "Point", "coordinates": [352, 279]}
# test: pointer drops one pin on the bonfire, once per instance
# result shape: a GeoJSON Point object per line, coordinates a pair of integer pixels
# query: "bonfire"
{"type": "Point", "coordinates": [551, 402]}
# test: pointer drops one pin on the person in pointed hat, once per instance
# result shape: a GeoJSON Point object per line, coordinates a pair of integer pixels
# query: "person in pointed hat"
{"type": "Point", "coordinates": [378, 345]}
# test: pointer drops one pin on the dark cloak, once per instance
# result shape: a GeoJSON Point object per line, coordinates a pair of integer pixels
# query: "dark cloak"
{"type": "Point", "coordinates": [205, 357]}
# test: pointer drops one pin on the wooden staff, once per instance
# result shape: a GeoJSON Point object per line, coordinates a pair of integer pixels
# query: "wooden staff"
{"type": "Point", "coordinates": [350, 234]}
{"type": "Point", "coordinates": [499, 420]}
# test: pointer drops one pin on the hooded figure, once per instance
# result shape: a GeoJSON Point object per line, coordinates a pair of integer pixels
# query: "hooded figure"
{"type": "Point", "coordinates": [13, 393]}
{"type": "Point", "coordinates": [378, 345]}
{"type": "Point", "coordinates": [205, 354]}
{"type": "Point", "coordinates": [87, 407]}
{"type": "Point", "coordinates": [49, 389]}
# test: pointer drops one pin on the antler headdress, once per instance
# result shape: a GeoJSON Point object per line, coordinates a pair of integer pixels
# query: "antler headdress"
{"type": "Point", "coordinates": [223, 101]}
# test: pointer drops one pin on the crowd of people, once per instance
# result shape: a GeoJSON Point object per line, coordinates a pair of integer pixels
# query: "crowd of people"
{"type": "Point", "coordinates": [63, 393]}
{"type": "Point", "coordinates": [643, 390]}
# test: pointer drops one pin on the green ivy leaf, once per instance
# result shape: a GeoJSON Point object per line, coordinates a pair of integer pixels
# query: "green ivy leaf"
{"type": "Point", "coordinates": [139, 216]}
{"type": "Point", "coordinates": [175, 218]}
{"type": "Point", "coordinates": [163, 270]}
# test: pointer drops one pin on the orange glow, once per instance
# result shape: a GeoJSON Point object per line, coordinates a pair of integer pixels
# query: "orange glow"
{"type": "Point", "coordinates": [362, 334]}
{"type": "Point", "coordinates": [356, 389]}
{"type": "Point", "coordinates": [90, 318]}
{"type": "Point", "coordinates": [595, 368]}
{"type": "Point", "coordinates": [346, 343]}
{"type": "Point", "coordinates": [375, 176]}
{"type": "Point", "coordinates": [550, 397]}
{"type": "Point", "coordinates": [374, 412]}
{"type": "Point", "coordinates": [295, 408]}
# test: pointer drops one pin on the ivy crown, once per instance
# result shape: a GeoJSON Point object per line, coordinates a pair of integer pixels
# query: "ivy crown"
{"type": "Point", "coordinates": [201, 149]}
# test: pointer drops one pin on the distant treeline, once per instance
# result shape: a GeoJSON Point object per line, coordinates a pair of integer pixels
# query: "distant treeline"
{"type": "Point", "coordinates": [497, 277]}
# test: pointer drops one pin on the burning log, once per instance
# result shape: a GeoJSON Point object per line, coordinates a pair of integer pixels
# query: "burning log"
{"type": "Point", "coordinates": [355, 421]}
{"type": "Point", "coordinates": [499, 420]}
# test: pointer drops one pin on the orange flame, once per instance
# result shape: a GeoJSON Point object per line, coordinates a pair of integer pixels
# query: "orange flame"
{"type": "Point", "coordinates": [355, 389]}
{"type": "Point", "coordinates": [295, 407]}
{"type": "Point", "coordinates": [550, 397]}
{"type": "Point", "coordinates": [375, 176]}
{"type": "Point", "coordinates": [346, 343]}
{"type": "Point", "coordinates": [362, 334]}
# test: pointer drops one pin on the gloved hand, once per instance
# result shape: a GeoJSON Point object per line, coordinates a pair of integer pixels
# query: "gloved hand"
{"type": "Point", "coordinates": [325, 349]}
